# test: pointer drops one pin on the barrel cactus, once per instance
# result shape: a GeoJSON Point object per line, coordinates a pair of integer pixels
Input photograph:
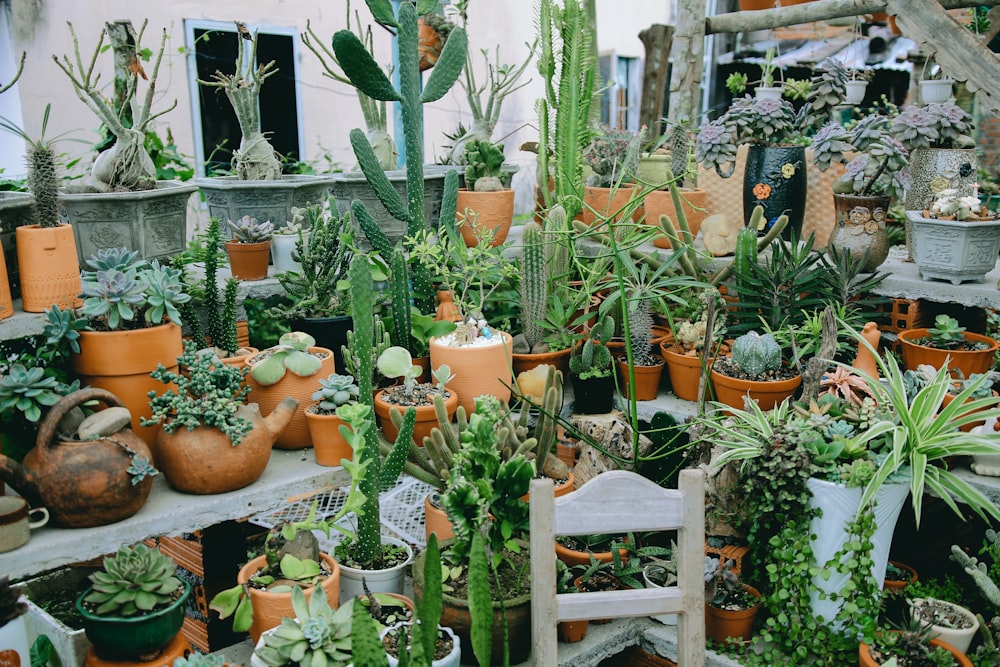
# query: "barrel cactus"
{"type": "Point", "coordinates": [756, 355]}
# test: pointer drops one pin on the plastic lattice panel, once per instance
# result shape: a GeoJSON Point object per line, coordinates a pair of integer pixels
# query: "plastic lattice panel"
{"type": "Point", "coordinates": [402, 509]}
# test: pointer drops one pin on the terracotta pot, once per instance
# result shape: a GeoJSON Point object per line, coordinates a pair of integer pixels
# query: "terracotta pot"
{"type": "Point", "coordinates": [436, 521]}
{"type": "Point", "coordinates": [478, 370]}
{"type": "Point", "coordinates": [561, 488]}
{"type": "Point", "coordinates": [204, 460]}
{"type": "Point", "coordinates": [82, 483]}
{"type": "Point", "coordinates": [121, 361]}
{"type": "Point", "coordinates": [860, 228]}
{"type": "Point", "coordinates": [426, 416]}
{"type": "Point", "coordinates": [296, 435]}
{"type": "Point", "coordinates": [969, 362]}
{"type": "Point", "coordinates": [269, 608]}
{"type": "Point", "coordinates": [684, 371]}
{"type": "Point", "coordinates": [490, 210]}
{"type": "Point", "coordinates": [48, 266]}
{"type": "Point", "coordinates": [248, 261]}
{"type": "Point", "coordinates": [865, 657]}
{"type": "Point", "coordinates": [723, 623]}
{"type": "Point", "coordinates": [573, 557]}
{"type": "Point", "coordinates": [694, 203]}
{"type": "Point", "coordinates": [767, 394]}
{"type": "Point", "coordinates": [605, 203]}
{"type": "Point", "coordinates": [6, 302]}
{"type": "Point", "coordinates": [566, 453]}
{"type": "Point", "coordinates": [647, 379]}
{"type": "Point", "coordinates": [429, 45]}
{"type": "Point", "coordinates": [948, 398]}
{"type": "Point", "coordinates": [328, 444]}
{"type": "Point", "coordinates": [572, 631]}
{"type": "Point", "coordinates": [900, 585]}
{"type": "Point", "coordinates": [526, 362]}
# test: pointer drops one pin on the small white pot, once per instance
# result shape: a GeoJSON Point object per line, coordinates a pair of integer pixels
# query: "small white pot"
{"type": "Point", "coordinates": [935, 91]}
{"type": "Point", "coordinates": [959, 638]}
{"type": "Point", "coordinates": [453, 659]}
{"type": "Point", "coordinates": [855, 91]}
{"type": "Point", "coordinates": [666, 619]}
{"type": "Point", "coordinates": [768, 92]}
{"type": "Point", "coordinates": [379, 581]}
{"type": "Point", "coordinates": [282, 246]}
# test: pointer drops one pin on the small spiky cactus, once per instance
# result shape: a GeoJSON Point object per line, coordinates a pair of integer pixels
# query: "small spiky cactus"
{"type": "Point", "coordinates": [43, 182]}
{"type": "Point", "coordinates": [680, 152]}
{"type": "Point", "coordinates": [756, 355]}
{"type": "Point", "coordinates": [640, 325]}
{"type": "Point", "coordinates": [557, 245]}
{"type": "Point", "coordinates": [534, 284]}
{"type": "Point", "coordinates": [228, 339]}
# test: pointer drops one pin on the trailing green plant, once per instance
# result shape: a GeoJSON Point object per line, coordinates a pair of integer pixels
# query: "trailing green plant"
{"type": "Point", "coordinates": [594, 358]}
{"type": "Point", "coordinates": [204, 392]}
{"type": "Point", "coordinates": [136, 580]}
{"type": "Point", "coordinates": [256, 159]}
{"type": "Point", "coordinates": [318, 635]}
{"type": "Point", "coordinates": [290, 354]}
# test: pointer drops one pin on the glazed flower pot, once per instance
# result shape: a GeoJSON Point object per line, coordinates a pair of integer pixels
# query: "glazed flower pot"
{"type": "Point", "coordinates": [731, 390]}
{"type": "Point", "coordinates": [775, 178]}
{"type": "Point", "coordinates": [859, 229]}
{"type": "Point", "coordinates": [966, 361]}
{"type": "Point", "coordinates": [485, 210]}
{"type": "Point", "coordinates": [953, 250]}
{"type": "Point", "coordinates": [694, 203]}
{"type": "Point", "coordinates": [865, 658]}
{"type": "Point", "coordinates": [924, 610]}
{"type": "Point", "coordinates": [122, 638]}
{"type": "Point", "coordinates": [49, 267]}
{"type": "Point", "coordinates": [684, 371]}
{"type": "Point", "coordinates": [248, 261]}
{"type": "Point", "coordinates": [478, 369]}
{"type": "Point", "coordinates": [647, 379]}
{"type": "Point", "coordinates": [935, 91]}
{"type": "Point", "coordinates": [389, 580]}
{"type": "Point", "coordinates": [720, 624]}
{"type": "Point", "coordinates": [269, 608]}
{"type": "Point", "coordinates": [426, 415]}
{"type": "Point", "coordinates": [328, 443]}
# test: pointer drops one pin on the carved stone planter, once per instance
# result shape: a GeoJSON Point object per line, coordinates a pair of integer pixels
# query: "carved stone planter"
{"type": "Point", "coordinates": [954, 250]}
{"type": "Point", "coordinates": [229, 198]}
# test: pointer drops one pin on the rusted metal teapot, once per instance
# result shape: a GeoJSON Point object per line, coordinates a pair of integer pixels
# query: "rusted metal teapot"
{"type": "Point", "coordinates": [83, 483]}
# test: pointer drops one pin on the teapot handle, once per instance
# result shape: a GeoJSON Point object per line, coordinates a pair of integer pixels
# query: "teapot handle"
{"type": "Point", "coordinates": [47, 430]}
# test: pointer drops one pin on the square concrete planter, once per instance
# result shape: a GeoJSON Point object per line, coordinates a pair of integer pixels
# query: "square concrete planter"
{"type": "Point", "coordinates": [954, 250]}
{"type": "Point", "coordinates": [229, 198]}
{"type": "Point", "coordinates": [15, 210]}
{"type": "Point", "coordinates": [154, 222]}
{"type": "Point", "coordinates": [70, 644]}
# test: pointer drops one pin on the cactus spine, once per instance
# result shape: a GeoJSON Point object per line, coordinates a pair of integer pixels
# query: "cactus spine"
{"type": "Point", "coordinates": [534, 284]}
{"type": "Point", "coordinates": [745, 259]}
{"type": "Point", "coordinates": [756, 355]}
{"type": "Point", "coordinates": [557, 247]}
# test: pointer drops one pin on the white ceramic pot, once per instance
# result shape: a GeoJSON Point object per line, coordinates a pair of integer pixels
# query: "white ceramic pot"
{"type": "Point", "coordinates": [666, 619]}
{"type": "Point", "coordinates": [282, 246]}
{"type": "Point", "coordinates": [935, 91]}
{"type": "Point", "coordinates": [855, 91]}
{"type": "Point", "coordinates": [987, 465]}
{"type": "Point", "coordinates": [453, 659]}
{"type": "Point", "coordinates": [14, 637]}
{"type": "Point", "coordinates": [960, 638]}
{"type": "Point", "coordinates": [768, 92]}
{"type": "Point", "coordinates": [379, 581]}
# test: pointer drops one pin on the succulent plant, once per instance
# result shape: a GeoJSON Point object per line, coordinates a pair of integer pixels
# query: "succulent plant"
{"type": "Point", "coordinates": [317, 636]}
{"type": "Point", "coordinates": [135, 580]}
{"type": "Point", "coordinates": [613, 155]}
{"type": "Point", "coordinates": [28, 390]}
{"type": "Point", "coordinates": [882, 165]}
{"type": "Point", "coordinates": [290, 354]}
{"type": "Point", "coordinates": [594, 358]}
{"type": "Point", "coordinates": [483, 160]}
{"type": "Point", "coordinates": [249, 230]}
{"type": "Point", "coordinates": [946, 332]}
{"type": "Point", "coordinates": [334, 391]}
{"type": "Point", "coordinates": [201, 660]}
{"type": "Point", "coordinates": [755, 354]}
{"type": "Point", "coordinates": [943, 125]}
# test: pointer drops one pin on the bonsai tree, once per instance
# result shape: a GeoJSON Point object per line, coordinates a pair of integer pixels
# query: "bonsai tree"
{"type": "Point", "coordinates": [126, 165]}
{"type": "Point", "coordinates": [256, 159]}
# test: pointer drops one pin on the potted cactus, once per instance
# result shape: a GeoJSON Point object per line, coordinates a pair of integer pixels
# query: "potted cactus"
{"type": "Point", "coordinates": [250, 248]}
{"type": "Point", "coordinates": [135, 604]}
{"type": "Point", "coordinates": [613, 157]}
{"type": "Point", "coordinates": [591, 370]}
{"type": "Point", "coordinates": [754, 367]}
{"type": "Point", "coordinates": [324, 425]}
{"type": "Point", "coordinates": [485, 208]}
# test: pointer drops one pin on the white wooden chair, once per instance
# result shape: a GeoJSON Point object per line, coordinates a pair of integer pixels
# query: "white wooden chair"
{"type": "Point", "coordinates": [617, 502]}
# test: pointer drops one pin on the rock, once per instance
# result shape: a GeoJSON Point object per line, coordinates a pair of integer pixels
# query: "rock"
{"type": "Point", "coordinates": [304, 546]}
{"type": "Point", "coordinates": [612, 433]}
{"type": "Point", "coordinates": [71, 421]}
{"type": "Point", "coordinates": [555, 467]}
{"type": "Point", "coordinates": [519, 344]}
{"type": "Point", "coordinates": [104, 423]}
{"type": "Point", "coordinates": [719, 234]}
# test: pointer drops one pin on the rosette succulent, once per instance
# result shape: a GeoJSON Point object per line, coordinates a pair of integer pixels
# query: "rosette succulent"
{"type": "Point", "coordinates": [249, 230]}
{"type": "Point", "coordinates": [133, 581]}
{"type": "Point", "coordinates": [881, 165]}
{"type": "Point", "coordinates": [943, 125]}
{"type": "Point", "coordinates": [317, 636]}
{"type": "Point", "coordinates": [334, 391]}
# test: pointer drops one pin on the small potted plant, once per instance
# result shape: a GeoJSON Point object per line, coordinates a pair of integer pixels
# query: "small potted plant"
{"type": "Point", "coordinates": [395, 362]}
{"type": "Point", "coordinates": [935, 87]}
{"type": "Point", "coordinates": [613, 156]}
{"type": "Point", "coordinates": [730, 605]}
{"type": "Point", "coordinates": [286, 241]}
{"type": "Point", "coordinates": [964, 351]}
{"type": "Point", "coordinates": [135, 604]}
{"type": "Point", "coordinates": [949, 622]}
{"type": "Point", "coordinates": [754, 367]}
{"type": "Point", "coordinates": [316, 634]}
{"type": "Point", "coordinates": [250, 248]}
{"type": "Point", "coordinates": [911, 644]}
{"type": "Point", "coordinates": [479, 357]}
{"type": "Point", "coordinates": [224, 444]}
{"type": "Point", "coordinates": [324, 424]}
{"type": "Point", "coordinates": [485, 208]}
{"type": "Point", "coordinates": [955, 238]}
{"type": "Point", "coordinates": [592, 371]}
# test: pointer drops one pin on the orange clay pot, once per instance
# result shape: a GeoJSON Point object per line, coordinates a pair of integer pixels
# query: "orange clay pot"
{"type": "Point", "coordinates": [969, 362]}
{"type": "Point", "coordinates": [6, 302]}
{"type": "Point", "coordinates": [767, 394]}
{"type": "Point", "coordinates": [723, 623]}
{"type": "Point", "coordinates": [526, 362]}
{"type": "Point", "coordinates": [897, 586]}
{"type": "Point", "coordinates": [572, 631]}
{"type": "Point", "coordinates": [248, 261]}
{"type": "Point", "coordinates": [48, 266]}
{"type": "Point", "coordinates": [684, 371]}
{"type": "Point", "coordinates": [865, 657]}
{"type": "Point", "coordinates": [605, 203]}
{"type": "Point", "coordinates": [478, 370]}
{"type": "Point", "coordinates": [328, 444]}
{"type": "Point", "coordinates": [436, 521]}
{"type": "Point", "coordinates": [647, 379]}
{"type": "Point", "coordinates": [426, 416]}
{"type": "Point", "coordinates": [659, 202]}
{"type": "Point", "coordinates": [489, 210]}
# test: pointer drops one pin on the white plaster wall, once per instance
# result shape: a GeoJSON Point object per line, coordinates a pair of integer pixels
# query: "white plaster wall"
{"type": "Point", "coordinates": [329, 109]}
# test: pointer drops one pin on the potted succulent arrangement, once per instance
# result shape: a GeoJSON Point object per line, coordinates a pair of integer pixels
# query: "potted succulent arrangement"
{"type": "Point", "coordinates": [730, 605]}
{"type": "Point", "coordinates": [224, 444]}
{"type": "Point", "coordinates": [250, 248]}
{"type": "Point", "coordinates": [135, 604]}
{"type": "Point", "coordinates": [478, 355]}
{"type": "Point", "coordinates": [613, 157]}
{"type": "Point", "coordinates": [484, 204]}
{"type": "Point", "coordinates": [955, 238]}
{"type": "Point", "coordinates": [315, 634]}
{"type": "Point", "coordinates": [949, 622]}
{"type": "Point", "coordinates": [754, 368]}
{"type": "Point", "coordinates": [946, 342]}
{"type": "Point", "coordinates": [256, 167]}
{"type": "Point", "coordinates": [911, 644]}
{"type": "Point", "coordinates": [395, 362]}
{"type": "Point", "coordinates": [133, 309]}
{"type": "Point", "coordinates": [328, 442]}
{"type": "Point", "coordinates": [124, 203]}
{"type": "Point", "coordinates": [877, 174]}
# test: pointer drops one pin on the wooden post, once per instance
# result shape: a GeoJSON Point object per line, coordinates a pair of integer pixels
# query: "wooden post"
{"type": "Point", "coordinates": [656, 39]}
{"type": "Point", "coordinates": [686, 54]}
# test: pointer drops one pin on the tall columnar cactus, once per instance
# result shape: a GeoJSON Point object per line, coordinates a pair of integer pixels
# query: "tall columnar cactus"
{"type": "Point", "coordinates": [680, 151]}
{"type": "Point", "coordinates": [43, 181]}
{"type": "Point", "coordinates": [361, 68]}
{"type": "Point", "coordinates": [640, 331]}
{"type": "Point", "coordinates": [557, 246]}
{"type": "Point", "coordinates": [399, 282]}
{"type": "Point", "coordinates": [745, 259]}
{"type": "Point", "coordinates": [755, 354]}
{"type": "Point", "coordinates": [534, 284]}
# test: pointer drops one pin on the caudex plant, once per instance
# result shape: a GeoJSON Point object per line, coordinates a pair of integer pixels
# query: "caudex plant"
{"type": "Point", "coordinates": [256, 159]}
{"type": "Point", "coordinates": [126, 166]}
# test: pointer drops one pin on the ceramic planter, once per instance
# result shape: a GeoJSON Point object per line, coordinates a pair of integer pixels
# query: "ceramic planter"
{"type": "Point", "coordinates": [269, 608]}
{"type": "Point", "coordinates": [121, 361]}
{"type": "Point", "coordinates": [935, 169]}
{"type": "Point", "coordinates": [651, 576]}
{"type": "Point", "coordinates": [129, 637]}
{"type": "Point", "coordinates": [489, 210]}
{"type": "Point", "coordinates": [154, 222]}
{"type": "Point", "coordinates": [15, 211]}
{"type": "Point", "coordinates": [329, 332]}
{"type": "Point", "coordinates": [775, 178]}
{"type": "Point", "coordinates": [935, 91]}
{"type": "Point", "coordinates": [966, 361]}
{"type": "Point", "coordinates": [865, 657]}
{"type": "Point", "coordinates": [436, 521]}
{"type": "Point", "coordinates": [478, 370]}
{"type": "Point", "coordinates": [694, 203]}
{"type": "Point", "coordinates": [684, 371]}
{"type": "Point", "coordinates": [328, 443]}
{"type": "Point", "coordinates": [453, 659]}
{"type": "Point", "coordinates": [593, 396]}
{"type": "Point", "coordinates": [768, 92]}
{"type": "Point", "coordinates": [426, 415]}
{"type": "Point", "coordinates": [731, 390]}
{"type": "Point", "coordinates": [720, 624]}
{"type": "Point", "coordinates": [282, 247]}
{"type": "Point", "coordinates": [572, 631]}
{"type": "Point", "coordinates": [49, 266]}
{"type": "Point", "coordinates": [70, 644]}
{"type": "Point", "coordinates": [6, 300]}
{"type": "Point", "coordinates": [647, 379]}
{"type": "Point", "coordinates": [248, 261]}
{"type": "Point", "coordinates": [860, 228]}
{"type": "Point", "coordinates": [954, 250]}
{"type": "Point", "coordinates": [229, 198]}
{"type": "Point", "coordinates": [959, 638]}
{"type": "Point", "coordinates": [379, 581]}
{"type": "Point", "coordinates": [855, 91]}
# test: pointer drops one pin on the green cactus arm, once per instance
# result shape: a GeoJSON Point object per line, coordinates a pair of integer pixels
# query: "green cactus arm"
{"type": "Point", "coordinates": [480, 601]}
{"type": "Point", "coordinates": [379, 182]}
{"type": "Point", "coordinates": [361, 68]}
{"type": "Point", "coordinates": [399, 284]}
{"type": "Point", "coordinates": [449, 201]}
{"type": "Point", "coordinates": [382, 12]}
{"type": "Point", "coordinates": [392, 466]}
{"type": "Point", "coordinates": [680, 248]}
{"type": "Point", "coordinates": [448, 67]}
{"type": "Point", "coordinates": [428, 611]}
{"type": "Point", "coordinates": [534, 284]}
{"type": "Point", "coordinates": [371, 230]}
{"type": "Point", "coordinates": [682, 222]}
{"type": "Point", "coordinates": [774, 232]}
{"type": "Point", "coordinates": [366, 647]}
{"type": "Point", "coordinates": [545, 429]}
{"type": "Point", "coordinates": [977, 571]}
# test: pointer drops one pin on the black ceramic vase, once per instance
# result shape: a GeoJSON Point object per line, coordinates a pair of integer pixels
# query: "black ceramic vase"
{"type": "Point", "coordinates": [775, 177]}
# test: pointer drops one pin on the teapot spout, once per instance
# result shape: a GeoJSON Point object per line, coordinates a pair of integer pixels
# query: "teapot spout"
{"type": "Point", "coordinates": [21, 479]}
{"type": "Point", "coordinates": [280, 417]}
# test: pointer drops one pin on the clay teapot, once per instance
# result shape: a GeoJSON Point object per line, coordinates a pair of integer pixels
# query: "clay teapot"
{"type": "Point", "coordinates": [204, 460]}
{"type": "Point", "coordinates": [83, 483]}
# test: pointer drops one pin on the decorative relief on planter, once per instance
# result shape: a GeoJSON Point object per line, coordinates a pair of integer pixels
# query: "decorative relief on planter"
{"type": "Point", "coordinates": [951, 250]}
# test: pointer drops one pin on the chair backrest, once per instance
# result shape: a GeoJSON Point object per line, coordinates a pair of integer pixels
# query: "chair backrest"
{"type": "Point", "coordinates": [616, 502]}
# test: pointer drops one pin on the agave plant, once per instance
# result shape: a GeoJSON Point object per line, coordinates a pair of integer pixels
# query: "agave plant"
{"type": "Point", "coordinates": [133, 581]}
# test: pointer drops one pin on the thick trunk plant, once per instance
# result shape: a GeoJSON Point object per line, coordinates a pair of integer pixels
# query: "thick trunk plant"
{"type": "Point", "coordinates": [126, 166]}
{"type": "Point", "coordinates": [256, 159]}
